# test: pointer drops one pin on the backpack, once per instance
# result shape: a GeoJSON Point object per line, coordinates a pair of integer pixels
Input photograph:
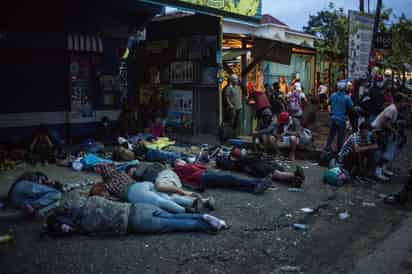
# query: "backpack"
{"type": "Point", "coordinates": [336, 176]}
{"type": "Point", "coordinates": [294, 103]}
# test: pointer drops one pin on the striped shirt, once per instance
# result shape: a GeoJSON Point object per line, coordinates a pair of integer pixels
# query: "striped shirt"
{"type": "Point", "coordinates": [115, 182]}
{"type": "Point", "coordinates": [349, 146]}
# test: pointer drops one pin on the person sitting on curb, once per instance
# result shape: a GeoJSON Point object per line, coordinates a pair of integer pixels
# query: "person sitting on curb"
{"type": "Point", "coordinates": [198, 177]}
{"type": "Point", "coordinates": [125, 188]}
{"type": "Point", "coordinates": [283, 134]}
{"type": "Point", "coordinates": [358, 149]}
{"type": "Point", "coordinates": [99, 216]}
{"type": "Point", "coordinates": [41, 147]}
{"type": "Point", "coordinates": [253, 165]}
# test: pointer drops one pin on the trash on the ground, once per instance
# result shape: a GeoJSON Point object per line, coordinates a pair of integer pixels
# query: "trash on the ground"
{"type": "Point", "coordinates": [307, 210]}
{"type": "Point", "coordinates": [6, 238]}
{"type": "Point", "coordinates": [368, 204]}
{"type": "Point", "coordinates": [382, 196]}
{"type": "Point", "coordinates": [299, 226]}
{"type": "Point", "coordinates": [290, 268]}
{"type": "Point", "coordinates": [289, 215]}
{"type": "Point", "coordinates": [295, 189]}
{"type": "Point", "coordinates": [344, 215]}
{"type": "Point", "coordinates": [146, 246]}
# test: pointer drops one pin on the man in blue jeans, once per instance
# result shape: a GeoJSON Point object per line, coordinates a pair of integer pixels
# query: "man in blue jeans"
{"type": "Point", "coordinates": [340, 104]}
{"type": "Point", "coordinates": [99, 216]}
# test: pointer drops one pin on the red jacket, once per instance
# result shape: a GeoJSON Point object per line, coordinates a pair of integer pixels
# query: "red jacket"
{"type": "Point", "coordinates": [190, 174]}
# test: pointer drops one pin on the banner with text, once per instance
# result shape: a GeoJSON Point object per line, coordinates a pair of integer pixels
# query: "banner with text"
{"type": "Point", "coordinates": [360, 42]}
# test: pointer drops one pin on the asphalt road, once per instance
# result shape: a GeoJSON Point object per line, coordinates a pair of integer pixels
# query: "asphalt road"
{"type": "Point", "coordinates": [261, 239]}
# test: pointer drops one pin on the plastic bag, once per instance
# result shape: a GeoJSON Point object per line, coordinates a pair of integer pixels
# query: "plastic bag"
{"type": "Point", "coordinates": [336, 176]}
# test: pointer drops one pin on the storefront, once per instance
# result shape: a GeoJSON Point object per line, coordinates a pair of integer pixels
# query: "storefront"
{"type": "Point", "coordinates": [60, 70]}
{"type": "Point", "coordinates": [179, 83]}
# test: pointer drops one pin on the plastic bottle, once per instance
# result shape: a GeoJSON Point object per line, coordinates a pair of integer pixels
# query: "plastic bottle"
{"type": "Point", "coordinates": [299, 226]}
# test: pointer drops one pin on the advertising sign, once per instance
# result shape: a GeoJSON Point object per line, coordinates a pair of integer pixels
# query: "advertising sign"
{"type": "Point", "coordinates": [180, 108]}
{"type": "Point", "coordinates": [243, 8]}
{"type": "Point", "coordinates": [360, 42]}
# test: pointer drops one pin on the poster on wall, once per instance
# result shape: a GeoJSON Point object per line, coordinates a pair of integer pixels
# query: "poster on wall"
{"type": "Point", "coordinates": [360, 42]}
{"type": "Point", "coordinates": [180, 112]}
{"type": "Point", "coordinates": [81, 107]}
{"type": "Point", "coordinates": [244, 8]}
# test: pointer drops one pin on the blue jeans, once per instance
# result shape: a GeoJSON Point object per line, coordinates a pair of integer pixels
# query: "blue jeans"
{"type": "Point", "coordinates": [145, 193]}
{"type": "Point", "coordinates": [225, 179]}
{"type": "Point", "coordinates": [336, 127]}
{"type": "Point", "coordinates": [388, 153]}
{"type": "Point", "coordinates": [154, 155]}
{"type": "Point", "coordinates": [41, 197]}
{"type": "Point", "coordinates": [146, 218]}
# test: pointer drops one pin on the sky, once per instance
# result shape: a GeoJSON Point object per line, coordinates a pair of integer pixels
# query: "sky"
{"type": "Point", "coordinates": [295, 13]}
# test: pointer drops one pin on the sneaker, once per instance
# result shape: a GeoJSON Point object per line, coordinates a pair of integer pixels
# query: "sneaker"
{"type": "Point", "coordinates": [199, 206]}
{"type": "Point", "coordinates": [300, 173]}
{"type": "Point", "coordinates": [210, 203]}
{"type": "Point", "coordinates": [262, 186]}
{"type": "Point", "coordinates": [379, 175]}
{"type": "Point", "coordinates": [214, 222]}
{"type": "Point", "coordinates": [387, 172]}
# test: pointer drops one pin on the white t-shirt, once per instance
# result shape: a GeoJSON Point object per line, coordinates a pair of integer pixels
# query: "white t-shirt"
{"type": "Point", "coordinates": [323, 89]}
{"type": "Point", "coordinates": [168, 177]}
{"type": "Point", "coordinates": [389, 113]}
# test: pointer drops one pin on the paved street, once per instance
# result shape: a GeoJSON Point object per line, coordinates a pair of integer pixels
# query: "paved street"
{"type": "Point", "coordinates": [261, 239]}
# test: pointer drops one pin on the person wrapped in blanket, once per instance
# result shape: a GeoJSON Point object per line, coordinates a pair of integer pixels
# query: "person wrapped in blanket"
{"type": "Point", "coordinates": [99, 216]}
{"type": "Point", "coordinates": [252, 164]}
{"type": "Point", "coordinates": [124, 188]}
{"type": "Point", "coordinates": [35, 194]}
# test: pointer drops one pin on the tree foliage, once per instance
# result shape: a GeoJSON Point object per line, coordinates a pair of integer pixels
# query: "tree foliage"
{"type": "Point", "coordinates": [331, 26]}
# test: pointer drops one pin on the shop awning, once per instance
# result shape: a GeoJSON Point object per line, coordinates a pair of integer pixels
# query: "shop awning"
{"type": "Point", "coordinates": [233, 53]}
{"type": "Point", "coordinates": [273, 51]}
{"type": "Point", "coordinates": [84, 43]}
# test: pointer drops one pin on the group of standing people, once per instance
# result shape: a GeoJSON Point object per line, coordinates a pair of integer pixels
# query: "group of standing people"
{"type": "Point", "coordinates": [376, 136]}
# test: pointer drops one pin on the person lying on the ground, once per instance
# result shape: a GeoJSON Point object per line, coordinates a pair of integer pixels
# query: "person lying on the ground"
{"type": "Point", "coordinates": [41, 146]}
{"type": "Point", "coordinates": [283, 134]}
{"type": "Point", "coordinates": [98, 216]}
{"type": "Point", "coordinates": [90, 161]}
{"type": "Point", "coordinates": [125, 188]}
{"type": "Point", "coordinates": [358, 152]}
{"type": "Point", "coordinates": [165, 181]}
{"type": "Point", "coordinates": [254, 165]}
{"type": "Point", "coordinates": [154, 155]}
{"type": "Point", "coordinates": [198, 177]}
{"type": "Point", "coordinates": [35, 193]}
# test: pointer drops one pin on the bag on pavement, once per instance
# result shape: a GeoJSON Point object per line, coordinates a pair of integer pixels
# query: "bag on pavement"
{"type": "Point", "coordinates": [336, 176]}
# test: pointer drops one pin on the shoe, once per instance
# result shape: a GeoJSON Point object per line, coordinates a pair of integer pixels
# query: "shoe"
{"type": "Point", "coordinates": [199, 206]}
{"type": "Point", "coordinates": [300, 173]}
{"type": "Point", "coordinates": [210, 203]}
{"type": "Point", "coordinates": [387, 172]}
{"type": "Point", "coordinates": [261, 187]}
{"type": "Point", "coordinates": [214, 222]}
{"type": "Point", "coordinates": [380, 176]}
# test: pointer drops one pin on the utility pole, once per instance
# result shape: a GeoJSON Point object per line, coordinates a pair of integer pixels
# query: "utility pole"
{"type": "Point", "coordinates": [369, 6]}
{"type": "Point", "coordinates": [375, 28]}
{"type": "Point", "coordinates": [362, 5]}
